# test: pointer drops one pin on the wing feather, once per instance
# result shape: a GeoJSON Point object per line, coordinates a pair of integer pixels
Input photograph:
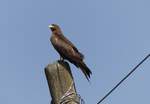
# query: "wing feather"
{"type": "Point", "coordinates": [72, 45]}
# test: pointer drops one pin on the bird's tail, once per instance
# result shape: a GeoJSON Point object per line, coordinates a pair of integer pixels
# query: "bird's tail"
{"type": "Point", "coordinates": [87, 72]}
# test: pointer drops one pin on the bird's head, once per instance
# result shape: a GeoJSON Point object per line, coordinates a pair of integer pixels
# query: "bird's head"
{"type": "Point", "coordinates": [54, 27]}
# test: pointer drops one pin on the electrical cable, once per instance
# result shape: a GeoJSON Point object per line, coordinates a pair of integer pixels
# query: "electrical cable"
{"type": "Point", "coordinates": [123, 79]}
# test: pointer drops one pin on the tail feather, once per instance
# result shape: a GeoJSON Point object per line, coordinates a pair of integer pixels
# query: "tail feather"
{"type": "Point", "coordinates": [87, 72]}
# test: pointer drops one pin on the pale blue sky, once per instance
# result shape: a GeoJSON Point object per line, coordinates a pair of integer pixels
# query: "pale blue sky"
{"type": "Point", "coordinates": [114, 35]}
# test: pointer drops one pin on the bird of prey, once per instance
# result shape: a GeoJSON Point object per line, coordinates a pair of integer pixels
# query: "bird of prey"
{"type": "Point", "coordinates": [67, 50]}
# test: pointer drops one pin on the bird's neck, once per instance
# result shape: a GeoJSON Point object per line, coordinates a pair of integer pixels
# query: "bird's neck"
{"type": "Point", "coordinates": [57, 32]}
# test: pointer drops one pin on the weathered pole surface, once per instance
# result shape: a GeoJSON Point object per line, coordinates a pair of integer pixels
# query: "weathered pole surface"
{"type": "Point", "coordinates": [61, 84]}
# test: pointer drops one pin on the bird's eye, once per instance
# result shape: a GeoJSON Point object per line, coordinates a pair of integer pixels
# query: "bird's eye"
{"type": "Point", "coordinates": [53, 29]}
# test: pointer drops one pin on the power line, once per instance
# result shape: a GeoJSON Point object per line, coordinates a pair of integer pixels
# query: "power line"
{"type": "Point", "coordinates": [124, 79]}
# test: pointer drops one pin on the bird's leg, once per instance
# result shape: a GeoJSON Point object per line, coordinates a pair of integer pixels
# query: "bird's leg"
{"type": "Point", "coordinates": [61, 58]}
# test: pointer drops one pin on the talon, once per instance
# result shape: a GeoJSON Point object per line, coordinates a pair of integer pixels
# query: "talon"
{"type": "Point", "coordinates": [61, 58]}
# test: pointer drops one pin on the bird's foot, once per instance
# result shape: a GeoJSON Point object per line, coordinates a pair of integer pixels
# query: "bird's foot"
{"type": "Point", "coordinates": [61, 59]}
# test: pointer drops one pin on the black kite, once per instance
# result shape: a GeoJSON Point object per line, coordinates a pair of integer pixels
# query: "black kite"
{"type": "Point", "coordinates": [67, 50]}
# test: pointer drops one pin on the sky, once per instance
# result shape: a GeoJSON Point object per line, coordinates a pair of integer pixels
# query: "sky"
{"type": "Point", "coordinates": [113, 35]}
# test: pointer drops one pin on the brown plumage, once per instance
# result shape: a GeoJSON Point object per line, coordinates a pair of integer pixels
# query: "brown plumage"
{"type": "Point", "coordinates": [67, 50]}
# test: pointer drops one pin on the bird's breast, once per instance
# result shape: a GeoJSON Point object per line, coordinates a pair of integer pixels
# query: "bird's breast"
{"type": "Point", "coordinates": [54, 39]}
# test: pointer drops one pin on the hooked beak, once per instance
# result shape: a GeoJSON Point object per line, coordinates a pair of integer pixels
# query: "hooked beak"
{"type": "Point", "coordinates": [51, 26]}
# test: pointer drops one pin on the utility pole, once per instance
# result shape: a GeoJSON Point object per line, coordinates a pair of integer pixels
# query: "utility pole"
{"type": "Point", "coordinates": [61, 83]}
